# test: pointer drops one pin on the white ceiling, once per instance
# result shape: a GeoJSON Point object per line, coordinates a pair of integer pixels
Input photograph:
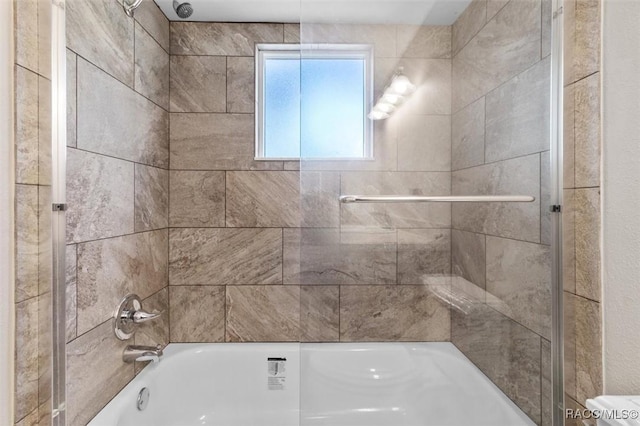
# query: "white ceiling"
{"type": "Point", "coordinates": [420, 12]}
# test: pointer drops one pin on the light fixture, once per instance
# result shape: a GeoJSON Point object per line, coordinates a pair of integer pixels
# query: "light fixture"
{"type": "Point", "coordinates": [394, 95]}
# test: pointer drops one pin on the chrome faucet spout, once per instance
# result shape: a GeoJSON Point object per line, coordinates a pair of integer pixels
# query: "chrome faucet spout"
{"type": "Point", "coordinates": [142, 353]}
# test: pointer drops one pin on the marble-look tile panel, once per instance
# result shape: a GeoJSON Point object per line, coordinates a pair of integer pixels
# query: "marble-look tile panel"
{"type": "Point", "coordinates": [72, 79]}
{"type": "Point", "coordinates": [115, 121]}
{"type": "Point", "coordinates": [292, 165]}
{"type": "Point", "coordinates": [424, 143]}
{"type": "Point", "coordinates": [26, 33]}
{"type": "Point", "coordinates": [517, 115]}
{"type": "Point", "coordinates": [198, 84]}
{"type": "Point", "coordinates": [98, 347]}
{"type": "Point", "coordinates": [482, 65]}
{"type": "Point", "coordinates": [197, 313]}
{"type": "Point", "coordinates": [26, 357]}
{"type": "Point", "coordinates": [327, 256]}
{"type": "Point", "coordinates": [292, 33]}
{"type": "Point", "coordinates": [468, 24]}
{"type": "Point", "coordinates": [240, 84]}
{"type": "Point", "coordinates": [495, 6]}
{"type": "Point", "coordinates": [101, 32]}
{"type": "Point", "coordinates": [467, 136]}
{"type": "Point", "coordinates": [569, 36]}
{"type": "Point", "coordinates": [587, 242]}
{"type": "Point", "coordinates": [382, 37]}
{"type": "Point", "coordinates": [508, 353]}
{"type": "Point", "coordinates": [44, 46]}
{"type": "Point", "coordinates": [319, 199]}
{"type": "Point", "coordinates": [45, 354]}
{"type": "Point", "coordinates": [568, 138]}
{"type": "Point", "coordinates": [392, 313]}
{"type": "Point", "coordinates": [44, 131]}
{"type": "Point", "coordinates": [586, 55]}
{"type": "Point", "coordinates": [545, 198]}
{"type": "Point", "coordinates": [225, 256]}
{"type": "Point", "coordinates": [588, 349]}
{"type": "Point", "coordinates": [151, 68]}
{"type": "Point", "coordinates": [547, 19]}
{"type": "Point", "coordinates": [196, 198]}
{"type": "Point", "coordinates": [215, 142]}
{"type": "Point", "coordinates": [149, 15]}
{"type": "Point", "coordinates": [417, 215]}
{"type": "Point", "coordinates": [319, 313]}
{"type": "Point", "coordinates": [519, 277]}
{"type": "Point", "coordinates": [151, 198]}
{"type": "Point", "coordinates": [263, 314]}
{"type": "Point", "coordinates": [569, 337]}
{"type": "Point", "coordinates": [99, 207]}
{"type": "Point", "coordinates": [30, 419]}
{"type": "Point", "coordinates": [112, 268]}
{"type": "Point", "coordinates": [587, 132]}
{"type": "Point", "coordinates": [45, 247]}
{"type": "Point", "coordinates": [569, 240]}
{"type": "Point", "coordinates": [224, 39]}
{"type": "Point", "coordinates": [423, 41]}
{"type": "Point", "coordinates": [263, 199]}
{"type": "Point", "coordinates": [519, 176]}
{"type": "Point", "coordinates": [423, 255]}
{"type": "Point", "coordinates": [26, 242]}
{"type": "Point", "coordinates": [468, 256]}
{"type": "Point", "coordinates": [71, 297]}
{"type": "Point", "coordinates": [26, 126]}
{"type": "Point", "coordinates": [546, 375]}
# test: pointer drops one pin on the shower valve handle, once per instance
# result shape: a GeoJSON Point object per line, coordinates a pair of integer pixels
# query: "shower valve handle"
{"type": "Point", "coordinates": [142, 316]}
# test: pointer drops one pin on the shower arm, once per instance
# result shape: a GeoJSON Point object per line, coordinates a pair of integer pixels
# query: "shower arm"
{"type": "Point", "coordinates": [436, 199]}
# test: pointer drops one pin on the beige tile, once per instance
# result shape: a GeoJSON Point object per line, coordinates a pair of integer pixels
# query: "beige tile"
{"type": "Point", "coordinates": [230, 39]}
{"type": "Point", "coordinates": [45, 247]}
{"type": "Point", "coordinates": [424, 143]}
{"type": "Point", "coordinates": [71, 271]}
{"type": "Point", "coordinates": [45, 354]}
{"type": "Point", "coordinates": [519, 276]}
{"type": "Point", "coordinates": [588, 349]}
{"type": "Point", "coordinates": [196, 198]}
{"type": "Point", "coordinates": [151, 198]}
{"type": "Point", "coordinates": [72, 79]}
{"type": "Point", "coordinates": [44, 131]}
{"type": "Point", "coordinates": [571, 404]}
{"type": "Point", "coordinates": [240, 84]}
{"type": "Point", "coordinates": [197, 313]}
{"type": "Point", "coordinates": [568, 139]}
{"type": "Point", "coordinates": [482, 65]}
{"type": "Point", "coordinates": [26, 126]}
{"type": "Point", "coordinates": [417, 215]}
{"type": "Point", "coordinates": [263, 314]}
{"type": "Point", "coordinates": [586, 59]}
{"type": "Point", "coordinates": [30, 419]}
{"type": "Point", "coordinates": [292, 165]}
{"type": "Point", "coordinates": [569, 324]}
{"type": "Point", "coordinates": [495, 6]}
{"type": "Point", "coordinates": [545, 198]}
{"type": "Point", "coordinates": [99, 207]}
{"type": "Point", "coordinates": [546, 374]}
{"type": "Point", "coordinates": [198, 83]}
{"type": "Point", "coordinates": [587, 132]}
{"type": "Point", "coordinates": [319, 313]}
{"type": "Point", "coordinates": [587, 240]}
{"type": "Point", "coordinates": [26, 357]}
{"type": "Point", "coordinates": [319, 199]}
{"type": "Point", "coordinates": [508, 353]}
{"type": "Point", "coordinates": [115, 121]}
{"type": "Point", "coordinates": [98, 347]}
{"type": "Point", "coordinates": [547, 19]}
{"type": "Point", "coordinates": [467, 136]}
{"type": "Point", "coordinates": [26, 242]}
{"type": "Point", "coordinates": [517, 115]}
{"type": "Point", "coordinates": [423, 255]}
{"type": "Point", "coordinates": [423, 41]}
{"type": "Point", "coordinates": [44, 44]}
{"type": "Point", "coordinates": [569, 39]}
{"type": "Point", "coordinates": [468, 255]}
{"type": "Point", "coordinates": [256, 199]}
{"type": "Point", "coordinates": [26, 33]}
{"type": "Point", "coordinates": [327, 256]}
{"type": "Point", "coordinates": [149, 15]}
{"type": "Point", "coordinates": [225, 256]}
{"type": "Point", "coordinates": [519, 176]}
{"type": "Point", "coordinates": [101, 32]}
{"type": "Point", "coordinates": [292, 33]}
{"type": "Point", "coordinates": [215, 142]}
{"type": "Point", "coordinates": [569, 241]}
{"type": "Point", "coordinates": [392, 313]}
{"type": "Point", "coordinates": [382, 37]}
{"type": "Point", "coordinates": [110, 269]}
{"type": "Point", "coordinates": [151, 68]}
{"type": "Point", "coordinates": [468, 24]}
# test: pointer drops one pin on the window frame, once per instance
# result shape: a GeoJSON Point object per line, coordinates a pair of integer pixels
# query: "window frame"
{"type": "Point", "coordinates": [264, 51]}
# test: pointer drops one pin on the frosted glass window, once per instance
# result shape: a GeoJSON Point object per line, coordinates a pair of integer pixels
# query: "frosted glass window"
{"type": "Point", "coordinates": [313, 107]}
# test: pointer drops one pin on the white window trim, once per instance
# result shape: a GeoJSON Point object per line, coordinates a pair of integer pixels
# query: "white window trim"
{"type": "Point", "coordinates": [356, 51]}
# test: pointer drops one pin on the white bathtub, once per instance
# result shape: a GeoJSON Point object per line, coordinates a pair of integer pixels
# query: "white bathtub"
{"type": "Point", "coordinates": [337, 384]}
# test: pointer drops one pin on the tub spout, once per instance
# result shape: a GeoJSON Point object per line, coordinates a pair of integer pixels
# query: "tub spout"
{"type": "Point", "coordinates": [142, 353]}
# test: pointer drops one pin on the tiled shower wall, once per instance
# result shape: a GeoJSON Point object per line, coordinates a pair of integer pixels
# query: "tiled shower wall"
{"type": "Point", "coordinates": [117, 190]}
{"type": "Point", "coordinates": [32, 136]}
{"type": "Point", "coordinates": [262, 247]}
{"type": "Point", "coordinates": [500, 142]}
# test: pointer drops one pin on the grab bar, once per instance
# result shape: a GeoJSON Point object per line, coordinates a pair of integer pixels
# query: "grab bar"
{"type": "Point", "coordinates": [437, 199]}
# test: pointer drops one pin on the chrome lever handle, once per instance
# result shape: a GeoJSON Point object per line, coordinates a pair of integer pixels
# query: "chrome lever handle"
{"type": "Point", "coordinates": [139, 317]}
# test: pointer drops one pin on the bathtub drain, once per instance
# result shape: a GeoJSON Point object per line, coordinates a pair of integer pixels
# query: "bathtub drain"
{"type": "Point", "coordinates": [143, 399]}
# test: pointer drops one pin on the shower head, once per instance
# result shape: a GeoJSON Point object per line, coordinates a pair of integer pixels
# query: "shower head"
{"type": "Point", "coordinates": [183, 10]}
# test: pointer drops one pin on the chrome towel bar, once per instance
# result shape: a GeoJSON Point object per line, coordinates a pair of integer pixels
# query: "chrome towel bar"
{"type": "Point", "coordinates": [437, 199]}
